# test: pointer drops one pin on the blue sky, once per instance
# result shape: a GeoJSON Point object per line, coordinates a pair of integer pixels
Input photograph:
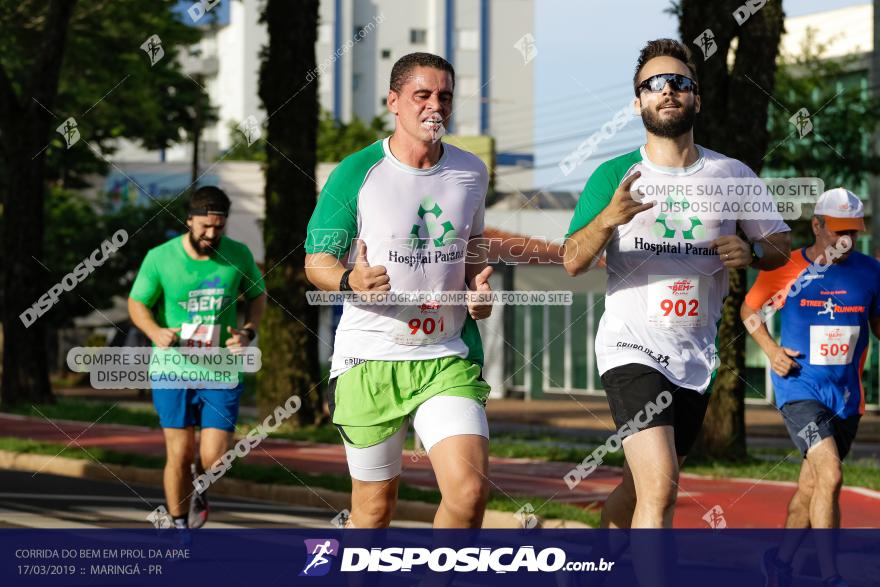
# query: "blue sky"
{"type": "Point", "coordinates": [586, 55]}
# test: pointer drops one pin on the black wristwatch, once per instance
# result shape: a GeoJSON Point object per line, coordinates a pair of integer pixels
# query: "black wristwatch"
{"type": "Point", "coordinates": [252, 334]}
{"type": "Point", "coordinates": [343, 282]}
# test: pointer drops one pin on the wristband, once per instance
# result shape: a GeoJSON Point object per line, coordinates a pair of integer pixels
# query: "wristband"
{"type": "Point", "coordinates": [343, 282]}
{"type": "Point", "coordinates": [252, 334]}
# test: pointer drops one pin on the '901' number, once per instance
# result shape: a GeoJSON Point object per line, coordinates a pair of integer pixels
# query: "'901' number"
{"type": "Point", "coordinates": [428, 325]}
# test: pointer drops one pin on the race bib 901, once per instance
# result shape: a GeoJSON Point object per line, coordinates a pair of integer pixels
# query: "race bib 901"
{"type": "Point", "coordinates": [675, 301]}
{"type": "Point", "coordinates": [425, 324]}
{"type": "Point", "coordinates": [833, 345]}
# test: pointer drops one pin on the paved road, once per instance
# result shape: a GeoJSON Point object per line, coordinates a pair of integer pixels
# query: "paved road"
{"type": "Point", "coordinates": [49, 501]}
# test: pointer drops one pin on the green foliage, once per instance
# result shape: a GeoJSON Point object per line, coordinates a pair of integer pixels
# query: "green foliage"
{"type": "Point", "coordinates": [75, 227]}
{"type": "Point", "coordinates": [240, 151]}
{"type": "Point", "coordinates": [338, 140]}
{"type": "Point", "coordinates": [107, 83]}
{"type": "Point", "coordinates": [335, 140]}
{"type": "Point", "coordinates": [842, 112]}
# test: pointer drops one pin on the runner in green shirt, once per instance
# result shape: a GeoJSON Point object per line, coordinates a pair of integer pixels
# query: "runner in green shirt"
{"type": "Point", "coordinates": [185, 295]}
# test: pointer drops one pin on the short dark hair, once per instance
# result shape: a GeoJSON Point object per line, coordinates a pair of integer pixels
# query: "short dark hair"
{"type": "Point", "coordinates": [208, 198]}
{"type": "Point", "coordinates": [665, 48]}
{"type": "Point", "coordinates": [404, 66]}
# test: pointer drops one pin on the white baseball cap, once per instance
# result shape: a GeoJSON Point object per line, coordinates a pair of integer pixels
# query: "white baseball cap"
{"type": "Point", "coordinates": [842, 209]}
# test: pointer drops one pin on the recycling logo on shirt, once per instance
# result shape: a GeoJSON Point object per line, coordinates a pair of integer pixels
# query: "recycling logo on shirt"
{"type": "Point", "coordinates": [668, 225]}
{"type": "Point", "coordinates": [439, 231]}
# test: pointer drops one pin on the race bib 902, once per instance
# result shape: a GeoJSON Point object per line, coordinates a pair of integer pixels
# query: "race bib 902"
{"type": "Point", "coordinates": [675, 301]}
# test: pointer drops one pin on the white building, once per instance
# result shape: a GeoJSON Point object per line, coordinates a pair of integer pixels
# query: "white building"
{"type": "Point", "coordinates": [846, 31]}
{"type": "Point", "coordinates": [489, 42]}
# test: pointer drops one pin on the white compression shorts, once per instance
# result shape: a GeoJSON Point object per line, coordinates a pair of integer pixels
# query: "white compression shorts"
{"type": "Point", "coordinates": [437, 418]}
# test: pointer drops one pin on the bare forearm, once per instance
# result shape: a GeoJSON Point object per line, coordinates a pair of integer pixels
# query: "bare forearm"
{"type": "Point", "coordinates": [254, 312]}
{"type": "Point", "coordinates": [477, 258]}
{"type": "Point", "coordinates": [583, 247]}
{"type": "Point", "coordinates": [777, 249]}
{"type": "Point", "coordinates": [324, 271]}
{"type": "Point", "coordinates": [756, 327]}
{"type": "Point", "coordinates": [142, 317]}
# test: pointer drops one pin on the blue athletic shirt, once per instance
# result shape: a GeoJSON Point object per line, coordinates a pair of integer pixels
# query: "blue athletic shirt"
{"type": "Point", "coordinates": [825, 316]}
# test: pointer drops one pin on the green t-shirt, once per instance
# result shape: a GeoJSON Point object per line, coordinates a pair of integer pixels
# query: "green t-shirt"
{"type": "Point", "coordinates": [197, 296]}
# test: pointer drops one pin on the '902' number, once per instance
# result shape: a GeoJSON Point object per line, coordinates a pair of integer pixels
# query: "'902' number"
{"type": "Point", "coordinates": [680, 307]}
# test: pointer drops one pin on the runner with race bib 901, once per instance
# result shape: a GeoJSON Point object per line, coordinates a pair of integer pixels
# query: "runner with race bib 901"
{"type": "Point", "coordinates": [406, 211]}
{"type": "Point", "coordinates": [667, 279]}
{"type": "Point", "coordinates": [828, 296]}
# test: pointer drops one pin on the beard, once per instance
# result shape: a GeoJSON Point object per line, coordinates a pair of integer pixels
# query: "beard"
{"type": "Point", "coordinates": [203, 247]}
{"type": "Point", "coordinates": [669, 127]}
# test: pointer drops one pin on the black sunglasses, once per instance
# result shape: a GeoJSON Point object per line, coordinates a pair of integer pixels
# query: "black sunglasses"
{"type": "Point", "coordinates": [678, 83]}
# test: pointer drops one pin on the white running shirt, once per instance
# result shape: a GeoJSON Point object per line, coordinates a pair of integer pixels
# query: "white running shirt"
{"type": "Point", "coordinates": [417, 223]}
{"type": "Point", "coordinates": [666, 285]}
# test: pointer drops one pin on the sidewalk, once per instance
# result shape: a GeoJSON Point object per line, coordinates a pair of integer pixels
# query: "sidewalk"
{"type": "Point", "coordinates": [745, 503]}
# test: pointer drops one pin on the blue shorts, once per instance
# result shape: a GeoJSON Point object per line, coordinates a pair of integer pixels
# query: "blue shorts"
{"type": "Point", "coordinates": [208, 408]}
{"type": "Point", "coordinates": [809, 422]}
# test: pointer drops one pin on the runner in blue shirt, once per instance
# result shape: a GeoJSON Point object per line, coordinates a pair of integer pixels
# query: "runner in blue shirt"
{"type": "Point", "coordinates": [829, 299]}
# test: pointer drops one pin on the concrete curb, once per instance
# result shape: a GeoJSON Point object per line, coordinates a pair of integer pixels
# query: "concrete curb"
{"type": "Point", "coordinates": [299, 496]}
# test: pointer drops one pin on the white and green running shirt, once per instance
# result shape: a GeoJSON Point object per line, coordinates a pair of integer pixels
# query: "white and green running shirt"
{"type": "Point", "coordinates": [666, 284]}
{"type": "Point", "coordinates": [416, 223]}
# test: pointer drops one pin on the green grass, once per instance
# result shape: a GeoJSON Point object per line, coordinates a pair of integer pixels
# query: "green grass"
{"type": "Point", "coordinates": [856, 472]}
{"type": "Point", "coordinates": [543, 508]}
{"type": "Point", "coordinates": [285, 476]}
{"type": "Point", "coordinates": [107, 457]}
{"type": "Point", "coordinates": [88, 411]}
{"type": "Point", "coordinates": [322, 434]}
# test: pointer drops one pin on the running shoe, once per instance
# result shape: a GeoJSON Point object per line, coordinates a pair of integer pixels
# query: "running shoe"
{"type": "Point", "coordinates": [776, 572]}
{"type": "Point", "coordinates": [198, 504]}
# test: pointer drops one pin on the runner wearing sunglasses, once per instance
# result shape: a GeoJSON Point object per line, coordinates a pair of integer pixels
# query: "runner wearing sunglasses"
{"type": "Point", "coordinates": [666, 283]}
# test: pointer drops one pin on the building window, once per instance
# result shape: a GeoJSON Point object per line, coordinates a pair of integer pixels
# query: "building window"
{"type": "Point", "coordinates": [418, 36]}
{"type": "Point", "coordinates": [386, 53]}
{"type": "Point", "coordinates": [355, 82]}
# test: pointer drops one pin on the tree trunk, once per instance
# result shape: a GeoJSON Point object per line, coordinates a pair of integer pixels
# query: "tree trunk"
{"type": "Point", "coordinates": [733, 121]}
{"type": "Point", "coordinates": [27, 127]}
{"type": "Point", "coordinates": [290, 325]}
{"type": "Point", "coordinates": [874, 179]}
